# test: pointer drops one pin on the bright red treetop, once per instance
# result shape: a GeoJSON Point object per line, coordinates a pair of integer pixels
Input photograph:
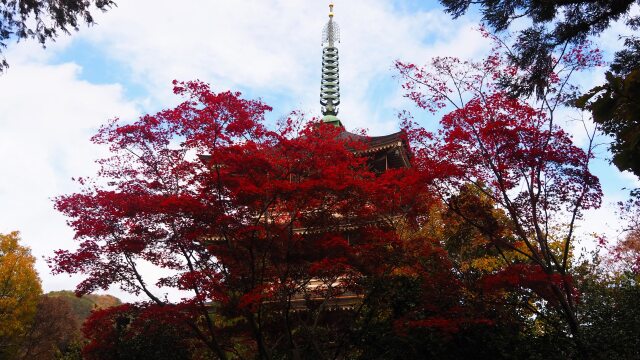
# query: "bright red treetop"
{"type": "Point", "coordinates": [240, 215]}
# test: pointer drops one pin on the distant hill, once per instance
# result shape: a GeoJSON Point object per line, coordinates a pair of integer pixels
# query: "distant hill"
{"type": "Point", "coordinates": [82, 306]}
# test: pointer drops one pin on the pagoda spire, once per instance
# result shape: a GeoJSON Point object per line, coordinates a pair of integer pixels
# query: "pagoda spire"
{"type": "Point", "coordinates": [330, 84]}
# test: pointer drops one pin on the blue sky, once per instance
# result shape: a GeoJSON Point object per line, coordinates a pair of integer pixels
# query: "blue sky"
{"type": "Point", "coordinates": [53, 100]}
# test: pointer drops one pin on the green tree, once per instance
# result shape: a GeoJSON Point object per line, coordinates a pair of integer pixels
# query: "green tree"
{"type": "Point", "coordinates": [615, 107]}
{"type": "Point", "coordinates": [19, 291]}
{"type": "Point", "coordinates": [608, 309]}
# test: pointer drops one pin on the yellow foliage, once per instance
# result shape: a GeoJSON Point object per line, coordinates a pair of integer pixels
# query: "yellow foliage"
{"type": "Point", "coordinates": [406, 270]}
{"type": "Point", "coordinates": [19, 289]}
{"type": "Point", "coordinates": [486, 264]}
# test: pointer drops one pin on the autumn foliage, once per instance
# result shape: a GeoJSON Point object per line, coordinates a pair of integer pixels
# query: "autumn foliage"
{"type": "Point", "coordinates": [245, 218]}
{"type": "Point", "coordinates": [523, 183]}
{"type": "Point", "coordinates": [19, 292]}
{"type": "Point", "coordinates": [140, 332]}
{"type": "Point", "coordinates": [283, 241]}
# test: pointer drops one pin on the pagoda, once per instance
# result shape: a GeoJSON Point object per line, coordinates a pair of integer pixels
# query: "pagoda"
{"type": "Point", "coordinates": [383, 152]}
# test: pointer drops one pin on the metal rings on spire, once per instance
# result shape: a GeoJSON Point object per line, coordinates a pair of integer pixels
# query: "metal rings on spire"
{"type": "Point", "coordinates": [330, 84]}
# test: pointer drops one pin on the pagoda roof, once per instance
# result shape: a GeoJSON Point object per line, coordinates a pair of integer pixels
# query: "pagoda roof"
{"type": "Point", "coordinates": [376, 143]}
{"type": "Point", "coordinates": [376, 146]}
{"type": "Point", "coordinates": [386, 151]}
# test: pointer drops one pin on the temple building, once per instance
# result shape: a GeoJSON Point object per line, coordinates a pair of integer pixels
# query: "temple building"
{"type": "Point", "coordinates": [384, 152]}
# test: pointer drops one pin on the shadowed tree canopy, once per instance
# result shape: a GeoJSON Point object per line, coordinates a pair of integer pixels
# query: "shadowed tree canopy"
{"type": "Point", "coordinates": [555, 24]}
{"type": "Point", "coordinates": [43, 20]}
{"type": "Point", "coordinates": [572, 19]}
{"type": "Point", "coordinates": [615, 106]}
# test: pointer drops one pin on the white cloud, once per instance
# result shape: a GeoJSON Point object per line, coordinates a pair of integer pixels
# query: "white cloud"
{"type": "Point", "coordinates": [30, 51]}
{"type": "Point", "coordinates": [631, 179]}
{"type": "Point", "coordinates": [47, 116]}
{"type": "Point", "coordinates": [273, 47]}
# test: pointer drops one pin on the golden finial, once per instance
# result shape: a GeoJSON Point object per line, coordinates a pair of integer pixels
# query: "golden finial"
{"type": "Point", "coordinates": [331, 31]}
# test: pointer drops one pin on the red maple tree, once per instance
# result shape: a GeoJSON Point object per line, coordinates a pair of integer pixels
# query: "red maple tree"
{"type": "Point", "coordinates": [512, 152]}
{"type": "Point", "coordinates": [254, 224]}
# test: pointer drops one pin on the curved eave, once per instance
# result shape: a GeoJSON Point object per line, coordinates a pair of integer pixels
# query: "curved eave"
{"type": "Point", "coordinates": [385, 144]}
